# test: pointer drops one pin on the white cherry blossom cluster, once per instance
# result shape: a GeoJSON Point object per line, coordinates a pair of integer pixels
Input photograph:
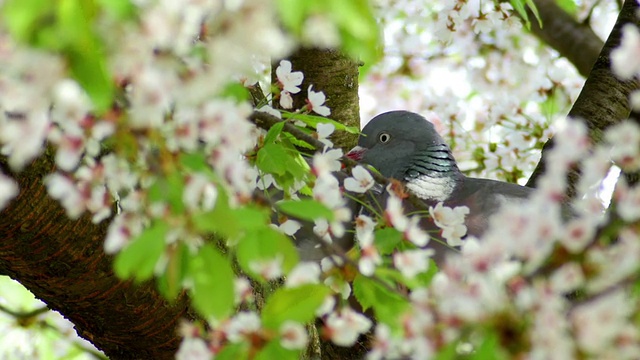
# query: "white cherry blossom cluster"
{"type": "Point", "coordinates": [447, 61]}
{"type": "Point", "coordinates": [521, 272]}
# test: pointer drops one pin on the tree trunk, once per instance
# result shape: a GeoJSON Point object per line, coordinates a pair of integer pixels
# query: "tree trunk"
{"type": "Point", "coordinates": [62, 262]}
{"type": "Point", "coordinates": [603, 100]}
{"type": "Point", "coordinates": [337, 76]}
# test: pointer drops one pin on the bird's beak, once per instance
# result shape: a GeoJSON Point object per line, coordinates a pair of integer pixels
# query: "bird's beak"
{"type": "Point", "coordinates": [357, 153]}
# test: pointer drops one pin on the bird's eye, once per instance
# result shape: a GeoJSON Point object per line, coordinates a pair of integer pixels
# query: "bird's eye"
{"type": "Point", "coordinates": [384, 138]}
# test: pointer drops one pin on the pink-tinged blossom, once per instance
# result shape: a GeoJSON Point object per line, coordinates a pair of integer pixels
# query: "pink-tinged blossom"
{"type": "Point", "coordinates": [327, 306]}
{"type": "Point", "coordinates": [568, 277]}
{"type": "Point", "coordinates": [242, 326]}
{"type": "Point", "coordinates": [315, 102]}
{"type": "Point", "coordinates": [369, 256]}
{"type": "Point", "coordinates": [625, 59]}
{"type": "Point", "coordinates": [293, 336]}
{"type": "Point", "coordinates": [345, 326]}
{"type": "Point", "coordinates": [341, 215]}
{"type": "Point", "coordinates": [550, 332]}
{"type": "Point", "coordinates": [578, 233]}
{"type": "Point", "coordinates": [22, 139]}
{"type": "Point", "coordinates": [615, 263]}
{"type": "Point", "coordinates": [382, 343]}
{"type": "Point", "coordinates": [326, 162]}
{"type": "Point", "coordinates": [123, 228]}
{"type": "Point", "coordinates": [599, 321]}
{"type": "Point", "coordinates": [451, 221]}
{"type": "Point", "coordinates": [199, 193]}
{"type": "Point", "coordinates": [412, 262]}
{"type": "Point", "coordinates": [394, 213]}
{"type": "Point", "coordinates": [627, 200]}
{"type": "Point", "coordinates": [242, 290]}
{"type": "Point", "coordinates": [286, 100]}
{"type": "Point", "coordinates": [270, 269]}
{"type": "Point", "coordinates": [327, 191]}
{"type": "Point", "coordinates": [360, 182]}
{"type": "Point", "coordinates": [324, 131]}
{"type": "Point", "coordinates": [414, 232]}
{"type": "Point", "coordinates": [61, 188]}
{"type": "Point", "coordinates": [624, 139]}
{"type": "Point", "coordinates": [289, 227]}
{"type": "Point", "coordinates": [289, 81]}
{"type": "Point", "coordinates": [321, 228]}
{"type": "Point", "coordinates": [303, 273]}
{"type": "Point", "coordinates": [8, 190]}
{"type": "Point", "coordinates": [193, 348]}
{"type": "Point", "coordinates": [337, 284]}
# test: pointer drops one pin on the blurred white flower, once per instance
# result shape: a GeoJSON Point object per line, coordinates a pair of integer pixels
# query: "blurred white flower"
{"type": "Point", "coordinates": [293, 336]}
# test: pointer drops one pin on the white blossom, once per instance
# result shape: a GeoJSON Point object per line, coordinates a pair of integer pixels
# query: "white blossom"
{"type": "Point", "coordinates": [360, 181]}
{"type": "Point", "coordinates": [345, 326]}
{"type": "Point", "coordinates": [303, 273]}
{"type": "Point", "coordinates": [290, 81]}
{"type": "Point", "coordinates": [315, 101]}
{"type": "Point", "coordinates": [293, 335]}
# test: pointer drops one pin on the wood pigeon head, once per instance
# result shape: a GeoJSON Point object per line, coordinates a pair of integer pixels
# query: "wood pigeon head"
{"type": "Point", "coordinates": [405, 146]}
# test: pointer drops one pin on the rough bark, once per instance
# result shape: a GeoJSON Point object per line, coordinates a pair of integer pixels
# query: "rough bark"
{"type": "Point", "coordinates": [561, 31]}
{"type": "Point", "coordinates": [62, 262]}
{"type": "Point", "coordinates": [337, 76]}
{"type": "Point", "coordinates": [603, 100]}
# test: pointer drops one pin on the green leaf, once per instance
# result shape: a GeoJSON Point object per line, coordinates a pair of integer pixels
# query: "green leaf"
{"type": "Point", "coordinates": [252, 217]}
{"type": "Point", "coordinates": [292, 13]}
{"type": "Point", "coordinates": [121, 9]}
{"type": "Point", "coordinates": [170, 282]}
{"type": "Point", "coordinates": [518, 6]}
{"type": "Point", "coordinates": [569, 6]}
{"type": "Point", "coordinates": [235, 91]}
{"type": "Point", "coordinates": [89, 68]}
{"type": "Point", "coordinates": [534, 10]}
{"type": "Point", "coordinates": [297, 304]}
{"type": "Point", "coordinates": [139, 258]}
{"type": "Point", "coordinates": [231, 351]}
{"type": "Point", "coordinates": [196, 162]}
{"type": "Point", "coordinates": [313, 121]}
{"type": "Point", "coordinates": [273, 350]}
{"type": "Point", "coordinates": [387, 305]}
{"type": "Point", "coordinates": [230, 223]}
{"type": "Point", "coordinates": [305, 209]}
{"type": "Point", "coordinates": [25, 18]}
{"type": "Point", "coordinates": [272, 134]}
{"type": "Point", "coordinates": [272, 159]}
{"type": "Point", "coordinates": [387, 239]}
{"type": "Point", "coordinates": [169, 189]}
{"type": "Point", "coordinates": [212, 293]}
{"type": "Point", "coordinates": [265, 243]}
{"type": "Point", "coordinates": [299, 143]}
{"type": "Point", "coordinates": [489, 349]}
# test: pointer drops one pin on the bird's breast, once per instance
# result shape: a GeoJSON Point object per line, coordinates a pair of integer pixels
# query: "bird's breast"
{"type": "Point", "coordinates": [431, 188]}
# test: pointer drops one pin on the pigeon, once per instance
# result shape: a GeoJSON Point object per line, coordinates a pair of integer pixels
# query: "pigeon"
{"type": "Point", "coordinates": [405, 146]}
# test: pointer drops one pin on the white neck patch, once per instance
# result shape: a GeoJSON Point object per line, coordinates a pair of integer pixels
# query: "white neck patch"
{"type": "Point", "coordinates": [432, 188]}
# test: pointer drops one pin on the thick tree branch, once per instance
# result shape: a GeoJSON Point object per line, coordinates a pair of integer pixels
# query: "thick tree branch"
{"type": "Point", "coordinates": [336, 75]}
{"type": "Point", "coordinates": [603, 100]}
{"type": "Point", "coordinates": [573, 40]}
{"type": "Point", "coordinates": [62, 262]}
